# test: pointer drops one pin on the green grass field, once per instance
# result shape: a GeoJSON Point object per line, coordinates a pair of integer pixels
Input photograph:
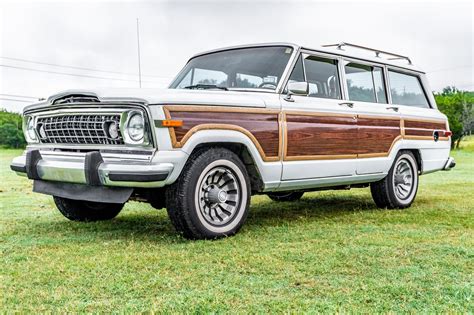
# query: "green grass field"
{"type": "Point", "coordinates": [331, 251]}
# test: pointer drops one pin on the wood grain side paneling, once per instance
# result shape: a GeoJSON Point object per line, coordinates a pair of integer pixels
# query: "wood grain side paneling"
{"type": "Point", "coordinates": [306, 135]}
{"type": "Point", "coordinates": [376, 136]}
{"type": "Point", "coordinates": [423, 130]}
{"type": "Point", "coordinates": [320, 137]}
{"type": "Point", "coordinates": [262, 127]}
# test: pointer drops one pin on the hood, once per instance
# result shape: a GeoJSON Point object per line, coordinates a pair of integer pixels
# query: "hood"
{"type": "Point", "coordinates": [161, 96]}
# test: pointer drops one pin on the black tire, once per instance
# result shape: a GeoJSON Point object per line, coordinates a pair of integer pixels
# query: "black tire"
{"type": "Point", "coordinates": [389, 192]}
{"type": "Point", "coordinates": [87, 211]}
{"type": "Point", "coordinates": [196, 203]}
{"type": "Point", "coordinates": [286, 196]}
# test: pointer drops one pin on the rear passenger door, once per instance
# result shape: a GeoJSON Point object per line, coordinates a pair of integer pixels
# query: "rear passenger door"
{"type": "Point", "coordinates": [378, 123]}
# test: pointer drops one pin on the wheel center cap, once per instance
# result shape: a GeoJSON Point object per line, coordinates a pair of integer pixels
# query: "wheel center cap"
{"type": "Point", "coordinates": [217, 195]}
{"type": "Point", "coordinates": [405, 179]}
{"type": "Point", "coordinates": [222, 196]}
{"type": "Point", "coordinates": [401, 179]}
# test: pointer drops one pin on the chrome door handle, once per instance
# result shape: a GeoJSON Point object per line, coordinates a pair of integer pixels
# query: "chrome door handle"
{"type": "Point", "coordinates": [348, 104]}
{"type": "Point", "coordinates": [394, 108]}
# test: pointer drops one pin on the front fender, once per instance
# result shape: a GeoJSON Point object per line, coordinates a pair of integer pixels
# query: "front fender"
{"type": "Point", "coordinates": [269, 171]}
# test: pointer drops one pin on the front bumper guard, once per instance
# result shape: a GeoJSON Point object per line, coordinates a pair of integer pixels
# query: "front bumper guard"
{"type": "Point", "coordinates": [92, 170]}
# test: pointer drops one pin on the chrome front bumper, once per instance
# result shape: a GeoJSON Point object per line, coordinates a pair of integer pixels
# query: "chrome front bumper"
{"type": "Point", "coordinates": [92, 169]}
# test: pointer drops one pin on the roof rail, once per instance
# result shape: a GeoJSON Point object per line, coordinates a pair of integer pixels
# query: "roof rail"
{"type": "Point", "coordinates": [377, 51]}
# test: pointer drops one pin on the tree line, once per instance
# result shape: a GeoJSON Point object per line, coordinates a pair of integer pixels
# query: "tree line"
{"type": "Point", "coordinates": [456, 104]}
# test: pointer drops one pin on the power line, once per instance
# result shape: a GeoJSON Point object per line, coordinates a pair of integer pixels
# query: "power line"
{"type": "Point", "coordinates": [70, 74]}
{"type": "Point", "coordinates": [77, 68]}
{"type": "Point", "coordinates": [21, 96]}
{"type": "Point", "coordinates": [11, 99]}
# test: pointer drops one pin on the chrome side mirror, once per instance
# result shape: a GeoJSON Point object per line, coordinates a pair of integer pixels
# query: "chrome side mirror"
{"type": "Point", "coordinates": [296, 88]}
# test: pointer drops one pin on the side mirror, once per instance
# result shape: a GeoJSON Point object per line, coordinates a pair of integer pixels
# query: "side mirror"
{"type": "Point", "coordinates": [296, 88]}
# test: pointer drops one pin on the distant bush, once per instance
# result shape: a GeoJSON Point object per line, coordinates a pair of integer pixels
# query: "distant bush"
{"type": "Point", "coordinates": [11, 134]}
{"type": "Point", "coordinates": [459, 107]}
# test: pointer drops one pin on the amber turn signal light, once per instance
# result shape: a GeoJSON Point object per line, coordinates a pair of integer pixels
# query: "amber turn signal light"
{"type": "Point", "coordinates": [168, 123]}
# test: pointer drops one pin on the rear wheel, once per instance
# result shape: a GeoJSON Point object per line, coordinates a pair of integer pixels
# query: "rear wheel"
{"type": "Point", "coordinates": [80, 210]}
{"type": "Point", "coordinates": [211, 197]}
{"type": "Point", "coordinates": [399, 188]}
{"type": "Point", "coordinates": [286, 196]}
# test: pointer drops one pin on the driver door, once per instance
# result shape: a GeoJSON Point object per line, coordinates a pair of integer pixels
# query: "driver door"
{"type": "Point", "coordinates": [320, 134]}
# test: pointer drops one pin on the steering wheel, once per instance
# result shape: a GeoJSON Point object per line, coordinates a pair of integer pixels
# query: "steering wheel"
{"type": "Point", "coordinates": [264, 85]}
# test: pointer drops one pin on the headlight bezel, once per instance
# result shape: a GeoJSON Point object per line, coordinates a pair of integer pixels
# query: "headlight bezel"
{"type": "Point", "coordinates": [125, 128]}
{"type": "Point", "coordinates": [29, 129]}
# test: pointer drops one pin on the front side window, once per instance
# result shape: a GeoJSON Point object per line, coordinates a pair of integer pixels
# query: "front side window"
{"type": "Point", "coordinates": [259, 68]}
{"type": "Point", "coordinates": [365, 83]}
{"type": "Point", "coordinates": [406, 90]}
{"type": "Point", "coordinates": [297, 75]}
{"type": "Point", "coordinates": [322, 77]}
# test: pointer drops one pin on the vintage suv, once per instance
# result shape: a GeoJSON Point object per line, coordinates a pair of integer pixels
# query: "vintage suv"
{"type": "Point", "coordinates": [275, 119]}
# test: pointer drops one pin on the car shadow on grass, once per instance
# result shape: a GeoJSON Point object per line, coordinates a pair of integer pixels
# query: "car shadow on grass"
{"type": "Point", "coordinates": [154, 225]}
{"type": "Point", "coordinates": [315, 208]}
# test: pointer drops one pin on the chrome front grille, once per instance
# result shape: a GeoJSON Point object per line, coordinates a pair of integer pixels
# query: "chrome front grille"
{"type": "Point", "coordinates": [78, 129]}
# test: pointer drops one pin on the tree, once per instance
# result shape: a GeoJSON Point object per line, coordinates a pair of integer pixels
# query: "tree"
{"type": "Point", "coordinates": [11, 134]}
{"type": "Point", "coordinates": [458, 106]}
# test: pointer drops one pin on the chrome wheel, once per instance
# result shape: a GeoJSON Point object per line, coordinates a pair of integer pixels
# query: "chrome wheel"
{"type": "Point", "coordinates": [403, 179]}
{"type": "Point", "coordinates": [219, 195]}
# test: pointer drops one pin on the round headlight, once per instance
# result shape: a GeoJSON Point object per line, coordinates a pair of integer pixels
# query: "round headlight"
{"type": "Point", "coordinates": [136, 127]}
{"type": "Point", "coordinates": [30, 128]}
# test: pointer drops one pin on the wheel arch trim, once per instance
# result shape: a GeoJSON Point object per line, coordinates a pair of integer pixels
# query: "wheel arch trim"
{"type": "Point", "coordinates": [270, 171]}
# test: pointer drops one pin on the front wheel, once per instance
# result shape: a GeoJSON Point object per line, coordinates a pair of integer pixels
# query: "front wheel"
{"type": "Point", "coordinates": [86, 211]}
{"type": "Point", "coordinates": [398, 189]}
{"type": "Point", "coordinates": [211, 197]}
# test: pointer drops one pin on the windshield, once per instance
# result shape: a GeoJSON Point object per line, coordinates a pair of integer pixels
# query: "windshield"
{"type": "Point", "coordinates": [260, 68]}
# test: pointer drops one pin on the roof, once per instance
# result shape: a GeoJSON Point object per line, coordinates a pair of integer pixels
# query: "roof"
{"type": "Point", "coordinates": [350, 53]}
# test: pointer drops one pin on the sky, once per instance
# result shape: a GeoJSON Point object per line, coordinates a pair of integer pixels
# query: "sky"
{"type": "Point", "coordinates": [102, 35]}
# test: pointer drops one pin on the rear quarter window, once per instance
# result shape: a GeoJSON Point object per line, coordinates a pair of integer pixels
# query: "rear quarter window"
{"type": "Point", "coordinates": [406, 89]}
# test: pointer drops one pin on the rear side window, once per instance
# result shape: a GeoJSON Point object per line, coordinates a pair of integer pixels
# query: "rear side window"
{"type": "Point", "coordinates": [406, 90]}
{"type": "Point", "coordinates": [365, 83]}
{"type": "Point", "coordinates": [322, 77]}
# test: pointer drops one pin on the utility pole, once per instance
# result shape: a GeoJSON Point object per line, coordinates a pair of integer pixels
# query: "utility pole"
{"type": "Point", "coordinates": [139, 65]}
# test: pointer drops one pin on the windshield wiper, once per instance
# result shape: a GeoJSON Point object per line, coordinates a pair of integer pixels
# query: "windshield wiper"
{"type": "Point", "coordinates": [205, 87]}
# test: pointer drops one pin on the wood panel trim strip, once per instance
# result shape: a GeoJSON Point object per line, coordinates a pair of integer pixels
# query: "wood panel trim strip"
{"type": "Point", "coordinates": [437, 121]}
{"type": "Point", "coordinates": [425, 138]}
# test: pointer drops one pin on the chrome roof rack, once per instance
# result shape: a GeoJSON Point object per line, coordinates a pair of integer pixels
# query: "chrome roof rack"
{"type": "Point", "coordinates": [378, 52]}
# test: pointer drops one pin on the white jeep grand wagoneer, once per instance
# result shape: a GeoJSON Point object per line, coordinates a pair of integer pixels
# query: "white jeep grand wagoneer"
{"type": "Point", "coordinates": [277, 119]}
